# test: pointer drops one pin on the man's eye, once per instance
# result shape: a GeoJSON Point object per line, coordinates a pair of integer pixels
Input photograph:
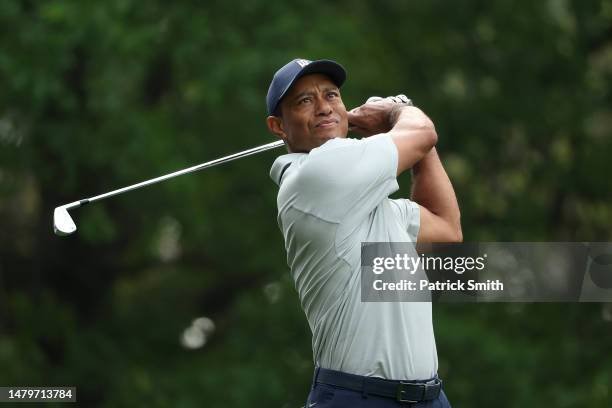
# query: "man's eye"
{"type": "Point", "coordinates": [332, 95]}
{"type": "Point", "coordinates": [303, 101]}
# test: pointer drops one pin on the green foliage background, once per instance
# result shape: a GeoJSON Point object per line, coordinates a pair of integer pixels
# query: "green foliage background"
{"type": "Point", "coordinates": [98, 95]}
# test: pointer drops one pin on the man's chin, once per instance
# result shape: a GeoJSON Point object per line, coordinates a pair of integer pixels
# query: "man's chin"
{"type": "Point", "coordinates": [328, 136]}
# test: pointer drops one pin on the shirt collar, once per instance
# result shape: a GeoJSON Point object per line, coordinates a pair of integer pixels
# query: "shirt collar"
{"type": "Point", "coordinates": [281, 163]}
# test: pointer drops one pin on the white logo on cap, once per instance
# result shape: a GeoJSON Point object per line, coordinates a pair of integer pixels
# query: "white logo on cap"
{"type": "Point", "coordinates": [302, 62]}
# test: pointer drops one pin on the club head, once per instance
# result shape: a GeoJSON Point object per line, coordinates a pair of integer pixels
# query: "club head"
{"type": "Point", "coordinates": [62, 222]}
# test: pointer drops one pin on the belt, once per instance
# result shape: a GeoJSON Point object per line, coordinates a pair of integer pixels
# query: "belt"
{"type": "Point", "coordinates": [402, 391]}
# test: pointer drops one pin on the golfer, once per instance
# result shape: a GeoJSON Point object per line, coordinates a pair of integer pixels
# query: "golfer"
{"type": "Point", "coordinates": [333, 195]}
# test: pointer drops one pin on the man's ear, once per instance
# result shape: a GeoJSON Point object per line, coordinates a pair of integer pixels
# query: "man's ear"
{"type": "Point", "coordinates": [275, 125]}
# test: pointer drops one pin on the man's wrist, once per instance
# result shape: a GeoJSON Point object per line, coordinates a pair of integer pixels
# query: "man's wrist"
{"type": "Point", "coordinates": [394, 114]}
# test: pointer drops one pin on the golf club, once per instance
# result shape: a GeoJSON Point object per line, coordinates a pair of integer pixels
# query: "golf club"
{"type": "Point", "coordinates": [64, 225]}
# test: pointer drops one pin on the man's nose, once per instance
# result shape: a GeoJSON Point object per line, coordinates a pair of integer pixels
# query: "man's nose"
{"type": "Point", "coordinates": [323, 107]}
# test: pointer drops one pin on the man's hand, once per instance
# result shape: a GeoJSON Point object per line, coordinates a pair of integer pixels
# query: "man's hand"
{"type": "Point", "coordinates": [411, 130]}
{"type": "Point", "coordinates": [376, 115]}
{"type": "Point", "coordinates": [401, 99]}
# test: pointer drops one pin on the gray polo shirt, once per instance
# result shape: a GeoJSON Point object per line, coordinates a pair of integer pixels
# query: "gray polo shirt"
{"type": "Point", "coordinates": [329, 202]}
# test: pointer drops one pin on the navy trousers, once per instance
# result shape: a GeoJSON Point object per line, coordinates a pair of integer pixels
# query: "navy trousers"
{"type": "Point", "coordinates": [327, 396]}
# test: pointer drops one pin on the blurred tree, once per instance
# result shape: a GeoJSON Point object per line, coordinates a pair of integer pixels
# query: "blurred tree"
{"type": "Point", "coordinates": [99, 95]}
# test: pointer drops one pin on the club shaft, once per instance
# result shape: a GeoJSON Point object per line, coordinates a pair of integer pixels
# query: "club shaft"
{"type": "Point", "coordinates": [202, 166]}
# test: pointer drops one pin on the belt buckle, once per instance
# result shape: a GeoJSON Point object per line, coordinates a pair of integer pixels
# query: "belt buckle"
{"type": "Point", "coordinates": [400, 392]}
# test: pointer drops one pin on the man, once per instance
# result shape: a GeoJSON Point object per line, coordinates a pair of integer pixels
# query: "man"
{"type": "Point", "coordinates": [333, 195]}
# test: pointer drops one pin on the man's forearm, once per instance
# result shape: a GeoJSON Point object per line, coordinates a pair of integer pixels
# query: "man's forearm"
{"type": "Point", "coordinates": [414, 135]}
{"type": "Point", "coordinates": [432, 189]}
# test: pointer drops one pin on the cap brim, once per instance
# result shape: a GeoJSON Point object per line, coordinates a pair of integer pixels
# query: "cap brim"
{"type": "Point", "coordinates": [332, 69]}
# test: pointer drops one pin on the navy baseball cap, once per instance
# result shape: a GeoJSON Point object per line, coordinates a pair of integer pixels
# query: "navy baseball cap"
{"type": "Point", "coordinates": [287, 75]}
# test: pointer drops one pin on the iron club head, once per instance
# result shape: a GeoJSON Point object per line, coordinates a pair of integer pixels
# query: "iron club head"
{"type": "Point", "coordinates": [62, 221]}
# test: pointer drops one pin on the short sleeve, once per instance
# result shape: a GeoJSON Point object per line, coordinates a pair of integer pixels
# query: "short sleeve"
{"type": "Point", "coordinates": [409, 214]}
{"type": "Point", "coordinates": [348, 176]}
